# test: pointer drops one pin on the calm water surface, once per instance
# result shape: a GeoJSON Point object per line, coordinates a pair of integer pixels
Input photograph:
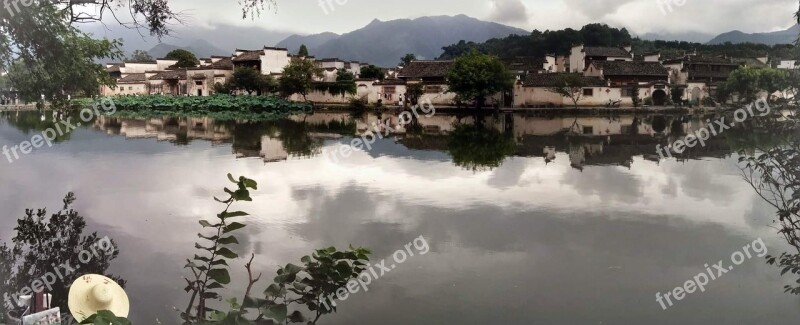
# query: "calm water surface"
{"type": "Point", "coordinates": [582, 229]}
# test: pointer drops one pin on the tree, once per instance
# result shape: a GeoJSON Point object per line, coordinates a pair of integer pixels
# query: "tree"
{"type": "Point", "coordinates": [298, 78]}
{"type": "Point", "coordinates": [570, 85]}
{"type": "Point", "coordinates": [303, 52]}
{"type": "Point", "coordinates": [372, 72]}
{"type": "Point", "coordinates": [140, 56]}
{"type": "Point", "coordinates": [676, 94]}
{"type": "Point", "coordinates": [747, 82]}
{"type": "Point", "coordinates": [42, 37]}
{"type": "Point", "coordinates": [251, 80]}
{"type": "Point", "coordinates": [773, 80]}
{"type": "Point", "coordinates": [406, 59]}
{"type": "Point", "coordinates": [414, 91]}
{"type": "Point", "coordinates": [344, 75]}
{"type": "Point", "coordinates": [477, 76]}
{"type": "Point", "coordinates": [635, 97]}
{"type": "Point", "coordinates": [185, 58]}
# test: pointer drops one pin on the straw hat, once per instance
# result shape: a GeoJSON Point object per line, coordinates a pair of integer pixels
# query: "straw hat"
{"type": "Point", "coordinates": [92, 293]}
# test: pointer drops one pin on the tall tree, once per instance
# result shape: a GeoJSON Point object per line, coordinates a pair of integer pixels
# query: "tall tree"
{"type": "Point", "coordinates": [251, 80]}
{"type": "Point", "coordinates": [185, 58]}
{"type": "Point", "coordinates": [298, 78]}
{"type": "Point", "coordinates": [372, 72]}
{"type": "Point", "coordinates": [303, 52]}
{"type": "Point", "coordinates": [477, 76]}
{"type": "Point", "coordinates": [40, 35]}
{"type": "Point", "coordinates": [140, 56]}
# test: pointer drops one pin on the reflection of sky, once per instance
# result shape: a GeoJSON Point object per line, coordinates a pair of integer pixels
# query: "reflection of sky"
{"type": "Point", "coordinates": [526, 243]}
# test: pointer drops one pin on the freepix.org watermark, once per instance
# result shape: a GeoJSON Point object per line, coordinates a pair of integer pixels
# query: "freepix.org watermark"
{"type": "Point", "coordinates": [375, 272]}
{"type": "Point", "coordinates": [711, 273]}
{"type": "Point", "coordinates": [61, 128]}
{"type": "Point", "coordinates": [328, 5]}
{"type": "Point", "coordinates": [667, 6]}
{"type": "Point", "coordinates": [104, 246]}
{"type": "Point", "coordinates": [716, 128]}
{"type": "Point", "coordinates": [380, 130]}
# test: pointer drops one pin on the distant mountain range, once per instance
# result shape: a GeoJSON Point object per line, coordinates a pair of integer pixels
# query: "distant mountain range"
{"type": "Point", "coordinates": [200, 48]}
{"type": "Point", "coordinates": [384, 43]}
{"type": "Point", "coordinates": [780, 37]}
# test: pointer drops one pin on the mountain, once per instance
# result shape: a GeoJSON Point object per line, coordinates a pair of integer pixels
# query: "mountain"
{"type": "Point", "coordinates": [200, 48]}
{"type": "Point", "coordinates": [384, 43]}
{"type": "Point", "coordinates": [780, 37]}
{"type": "Point", "coordinates": [294, 42]}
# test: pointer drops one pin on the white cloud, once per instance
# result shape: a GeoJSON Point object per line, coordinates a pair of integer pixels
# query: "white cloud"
{"type": "Point", "coordinates": [509, 11]}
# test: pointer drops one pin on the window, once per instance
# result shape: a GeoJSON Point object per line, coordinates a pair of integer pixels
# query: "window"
{"type": "Point", "coordinates": [627, 92]}
{"type": "Point", "coordinates": [433, 89]}
{"type": "Point", "coordinates": [588, 92]}
{"type": "Point", "coordinates": [130, 87]}
{"type": "Point", "coordinates": [389, 90]}
{"type": "Point", "coordinates": [588, 130]}
{"type": "Point", "coordinates": [198, 83]}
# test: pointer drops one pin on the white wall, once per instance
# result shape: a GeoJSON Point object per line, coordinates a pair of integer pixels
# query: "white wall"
{"type": "Point", "coordinates": [274, 61]}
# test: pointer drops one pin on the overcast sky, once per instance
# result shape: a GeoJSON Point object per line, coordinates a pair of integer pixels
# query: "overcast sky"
{"type": "Point", "coordinates": [639, 16]}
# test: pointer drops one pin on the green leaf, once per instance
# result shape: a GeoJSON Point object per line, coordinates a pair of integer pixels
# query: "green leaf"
{"type": "Point", "coordinates": [273, 291]}
{"type": "Point", "coordinates": [207, 224]}
{"type": "Point", "coordinates": [225, 215]}
{"type": "Point", "coordinates": [220, 275]}
{"type": "Point", "coordinates": [292, 269]}
{"type": "Point", "coordinates": [231, 227]}
{"type": "Point", "coordinates": [297, 317]}
{"type": "Point", "coordinates": [230, 177]}
{"type": "Point", "coordinates": [277, 312]}
{"type": "Point", "coordinates": [250, 183]}
{"type": "Point", "coordinates": [228, 240]}
{"type": "Point", "coordinates": [227, 253]}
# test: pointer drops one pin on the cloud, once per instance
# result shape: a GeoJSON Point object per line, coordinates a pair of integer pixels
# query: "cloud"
{"type": "Point", "coordinates": [596, 8]}
{"type": "Point", "coordinates": [509, 11]}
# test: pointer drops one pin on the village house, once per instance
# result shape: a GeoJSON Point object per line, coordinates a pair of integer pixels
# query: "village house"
{"type": "Point", "coordinates": [535, 91]}
{"type": "Point", "coordinates": [581, 56]}
{"type": "Point", "coordinates": [700, 75]}
{"type": "Point", "coordinates": [433, 77]}
{"type": "Point", "coordinates": [651, 77]}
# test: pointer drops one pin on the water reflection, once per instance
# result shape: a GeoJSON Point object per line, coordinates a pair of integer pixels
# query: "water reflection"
{"type": "Point", "coordinates": [474, 142]}
{"type": "Point", "coordinates": [533, 240]}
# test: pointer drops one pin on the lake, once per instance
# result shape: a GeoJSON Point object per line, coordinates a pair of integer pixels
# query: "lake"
{"type": "Point", "coordinates": [526, 224]}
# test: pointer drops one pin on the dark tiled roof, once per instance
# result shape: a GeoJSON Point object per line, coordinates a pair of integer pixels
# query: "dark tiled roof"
{"type": "Point", "coordinates": [709, 74]}
{"type": "Point", "coordinates": [525, 63]}
{"type": "Point", "coordinates": [607, 51]}
{"type": "Point", "coordinates": [631, 68]}
{"type": "Point", "coordinates": [170, 75]}
{"type": "Point", "coordinates": [142, 61]}
{"type": "Point", "coordinates": [133, 78]}
{"type": "Point", "coordinates": [555, 79]}
{"type": "Point", "coordinates": [248, 56]}
{"type": "Point", "coordinates": [223, 64]}
{"type": "Point", "coordinates": [702, 59]}
{"type": "Point", "coordinates": [426, 69]}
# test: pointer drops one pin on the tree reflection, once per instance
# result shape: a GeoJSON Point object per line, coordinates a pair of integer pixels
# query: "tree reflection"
{"type": "Point", "coordinates": [36, 122]}
{"type": "Point", "coordinates": [772, 168]}
{"type": "Point", "coordinates": [55, 248]}
{"type": "Point", "coordinates": [476, 147]}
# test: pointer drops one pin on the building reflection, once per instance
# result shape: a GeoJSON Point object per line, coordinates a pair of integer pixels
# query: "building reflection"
{"type": "Point", "coordinates": [586, 141]}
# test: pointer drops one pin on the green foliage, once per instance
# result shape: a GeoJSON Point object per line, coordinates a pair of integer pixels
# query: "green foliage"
{"type": "Point", "coordinates": [210, 267]}
{"type": "Point", "coordinates": [414, 91]}
{"type": "Point", "coordinates": [676, 94]}
{"type": "Point", "coordinates": [648, 101]}
{"type": "Point", "coordinates": [475, 147]}
{"type": "Point", "coordinates": [477, 76]}
{"type": "Point", "coordinates": [140, 56]}
{"type": "Point", "coordinates": [223, 107]}
{"type": "Point", "coordinates": [708, 101]}
{"type": "Point", "coordinates": [406, 59]}
{"type": "Point", "coordinates": [185, 58]}
{"type": "Point", "coordinates": [747, 82]}
{"type": "Point", "coordinates": [372, 72]}
{"type": "Point", "coordinates": [106, 317]}
{"type": "Point", "coordinates": [303, 52]}
{"type": "Point", "coordinates": [635, 95]}
{"type": "Point", "coordinates": [42, 242]}
{"type": "Point", "coordinates": [251, 80]}
{"type": "Point", "coordinates": [570, 85]}
{"type": "Point", "coordinates": [345, 84]}
{"type": "Point", "coordinates": [298, 78]}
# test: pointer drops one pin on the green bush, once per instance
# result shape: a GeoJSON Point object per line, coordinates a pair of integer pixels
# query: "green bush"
{"type": "Point", "coordinates": [225, 107]}
{"type": "Point", "coordinates": [648, 101]}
